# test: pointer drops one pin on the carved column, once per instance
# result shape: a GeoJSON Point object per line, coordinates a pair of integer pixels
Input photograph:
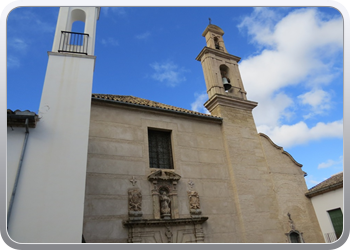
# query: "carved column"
{"type": "Point", "coordinates": [155, 200]}
{"type": "Point", "coordinates": [174, 202]}
{"type": "Point", "coordinates": [134, 235]}
{"type": "Point", "coordinates": [198, 233]}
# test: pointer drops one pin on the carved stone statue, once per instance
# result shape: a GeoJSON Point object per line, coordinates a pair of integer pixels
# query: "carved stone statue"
{"type": "Point", "coordinates": [164, 204]}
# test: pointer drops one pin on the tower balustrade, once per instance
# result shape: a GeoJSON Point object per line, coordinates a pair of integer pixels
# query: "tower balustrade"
{"type": "Point", "coordinates": [73, 42]}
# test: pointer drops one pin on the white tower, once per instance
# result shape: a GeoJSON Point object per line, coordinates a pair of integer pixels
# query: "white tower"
{"type": "Point", "coordinates": [49, 202]}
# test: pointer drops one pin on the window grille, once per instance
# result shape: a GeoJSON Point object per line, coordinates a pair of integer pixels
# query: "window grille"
{"type": "Point", "coordinates": [160, 154]}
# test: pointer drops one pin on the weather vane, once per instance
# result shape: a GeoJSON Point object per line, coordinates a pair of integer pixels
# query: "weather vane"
{"type": "Point", "coordinates": [209, 20]}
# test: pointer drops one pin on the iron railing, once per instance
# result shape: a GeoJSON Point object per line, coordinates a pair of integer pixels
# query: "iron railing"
{"type": "Point", "coordinates": [73, 42]}
{"type": "Point", "coordinates": [330, 237]}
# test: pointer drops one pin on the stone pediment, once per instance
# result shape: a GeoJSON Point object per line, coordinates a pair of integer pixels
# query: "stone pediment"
{"type": "Point", "coordinates": [161, 174]}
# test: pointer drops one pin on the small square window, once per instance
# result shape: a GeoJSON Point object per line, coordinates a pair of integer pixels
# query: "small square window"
{"type": "Point", "coordinates": [159, 145]}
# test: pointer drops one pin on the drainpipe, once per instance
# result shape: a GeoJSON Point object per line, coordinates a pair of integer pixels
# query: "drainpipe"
{"type": "Point", "coordinates": [18, 173]}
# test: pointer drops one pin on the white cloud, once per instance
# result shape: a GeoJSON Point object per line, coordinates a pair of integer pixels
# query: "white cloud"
{"type": "Point", "coordinates": [197, 105]}
{"type": "Point", "coordinates": [272, 109]}
{"type": "Point", "coordinates": [119, 11]}
{"type": "Point", "coordinates": [311, 181]}
{"type": "Point", "coordinates": [13, 62]}
{"type": "Point", "coordinates": [297, 51]}
{"type": "Point", "coordinates": [18, 44]}
{"type": "Point", "coordinates": [297, 47]}
{"type": "Point", "coordinates": [29, 21]}
{"type": "Point", "coordinates": [315, 98]}
{"type": "Point", "coordinates": [300, 133]}
{"type": "Point", "coordinates": [318, 99]}
{"type": "Point", "coordinates": [143, 36]}
{"type": "Point", "coordinates": [110, 41]}
{"type": "Point", "coordinates": [169, 73]}
{"type": "Point", "coordinates": [331, 163]}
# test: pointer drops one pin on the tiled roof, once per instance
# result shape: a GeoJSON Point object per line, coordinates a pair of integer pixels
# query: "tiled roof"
{"type": "Point", "coordinates": [149, 104]}
{"type": "Point", "coordinates": [332, 183]}
{"type": "Point", "coordinates": [18, 118]}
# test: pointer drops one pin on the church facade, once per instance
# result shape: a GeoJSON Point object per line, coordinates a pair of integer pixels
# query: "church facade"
{"type": "Point", "coordinates": [148, 172]}
{"type": "Point", "coordinates": [224, 182]}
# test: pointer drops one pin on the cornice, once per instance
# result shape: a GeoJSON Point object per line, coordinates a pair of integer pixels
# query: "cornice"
{"type": "Point", "coordinates": [158, 109]}
{"type": "Point", "coordinates": [219, 53]}
{"type": "Point", "coordinates": [281, 149]}
{"type": "Point", "coordinates": [67, 54]}
{"type": "Point", "coordinates": [163, 222]}
{"type": "Point", "coordinates": [213, 28]}
{"type": "Point", "coordinates": [229, 101]}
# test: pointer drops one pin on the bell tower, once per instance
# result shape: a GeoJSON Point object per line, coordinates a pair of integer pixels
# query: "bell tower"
{"type": "Point", "coordinates": [222, 77]}
{"type": "Point", "coordinates": [220, 68]}
{"type": "Point", "coordinates": [247, 165]}
{"type": "Point", "coordinates": [49, 202]}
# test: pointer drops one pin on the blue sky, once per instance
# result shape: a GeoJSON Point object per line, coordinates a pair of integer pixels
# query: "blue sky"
{"type": "Point", "coordinates": [291, 64]}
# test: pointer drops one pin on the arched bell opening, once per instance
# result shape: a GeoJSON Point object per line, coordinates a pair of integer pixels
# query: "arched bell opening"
{"type": "Point", "coordinates": [216, 43]}
{"type": "Point", "coordinates": [74, 39]}
{"type": "Point", "coordinates": [224, 71]}
{"type": "Point", "coordinates": [79, 16]}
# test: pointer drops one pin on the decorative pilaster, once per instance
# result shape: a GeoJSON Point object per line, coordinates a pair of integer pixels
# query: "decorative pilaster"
{"type": "Point", "coordinates": [198, 233]}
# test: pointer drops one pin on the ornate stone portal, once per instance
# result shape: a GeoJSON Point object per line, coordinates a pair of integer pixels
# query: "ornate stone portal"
{"type": "Point", "coordinates": [166, 226]}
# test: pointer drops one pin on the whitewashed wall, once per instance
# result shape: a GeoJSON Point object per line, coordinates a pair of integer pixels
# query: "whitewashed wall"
{"type": "Point", "coordinates": [15, 139]}
{"type": "Point", "coordinates": [325, 202]}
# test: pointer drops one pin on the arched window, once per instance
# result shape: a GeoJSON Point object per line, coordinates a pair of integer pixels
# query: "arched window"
{"type": "Point", "coordinates": [295, 236]}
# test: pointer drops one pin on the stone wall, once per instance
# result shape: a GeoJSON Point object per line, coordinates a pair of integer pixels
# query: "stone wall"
{"type": "Point", "coordinates": [247, 186]}
{"type": "Point", "coordinates": [290, 187]}
{"type": "Point", "coordinates": [118, 153]}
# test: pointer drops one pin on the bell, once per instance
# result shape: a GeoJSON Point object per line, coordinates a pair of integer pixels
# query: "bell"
{"type": "Point", "coordinates": [226, 84]}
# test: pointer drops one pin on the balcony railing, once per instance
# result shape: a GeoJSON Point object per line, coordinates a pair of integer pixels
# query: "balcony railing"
{"type": "Point", "coordinates": [73, 42]}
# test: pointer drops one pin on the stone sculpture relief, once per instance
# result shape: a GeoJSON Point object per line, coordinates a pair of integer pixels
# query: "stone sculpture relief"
{"type": "Point", "coordinates": [135, 203]}
{"type": "Point", "coordinates": [193, 197]}
{"type": "Point", "coordinates": [194, 200]}
{"type": "Point", "coordinates": [168, 234]}
{"type": "Point", "coordinates": [291, 223]}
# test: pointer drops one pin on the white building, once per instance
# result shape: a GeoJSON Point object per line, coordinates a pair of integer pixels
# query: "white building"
{"type": "Point", "coordinates": [48, 199]}
{"type": "Point", "coordinates": [327, 199]}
